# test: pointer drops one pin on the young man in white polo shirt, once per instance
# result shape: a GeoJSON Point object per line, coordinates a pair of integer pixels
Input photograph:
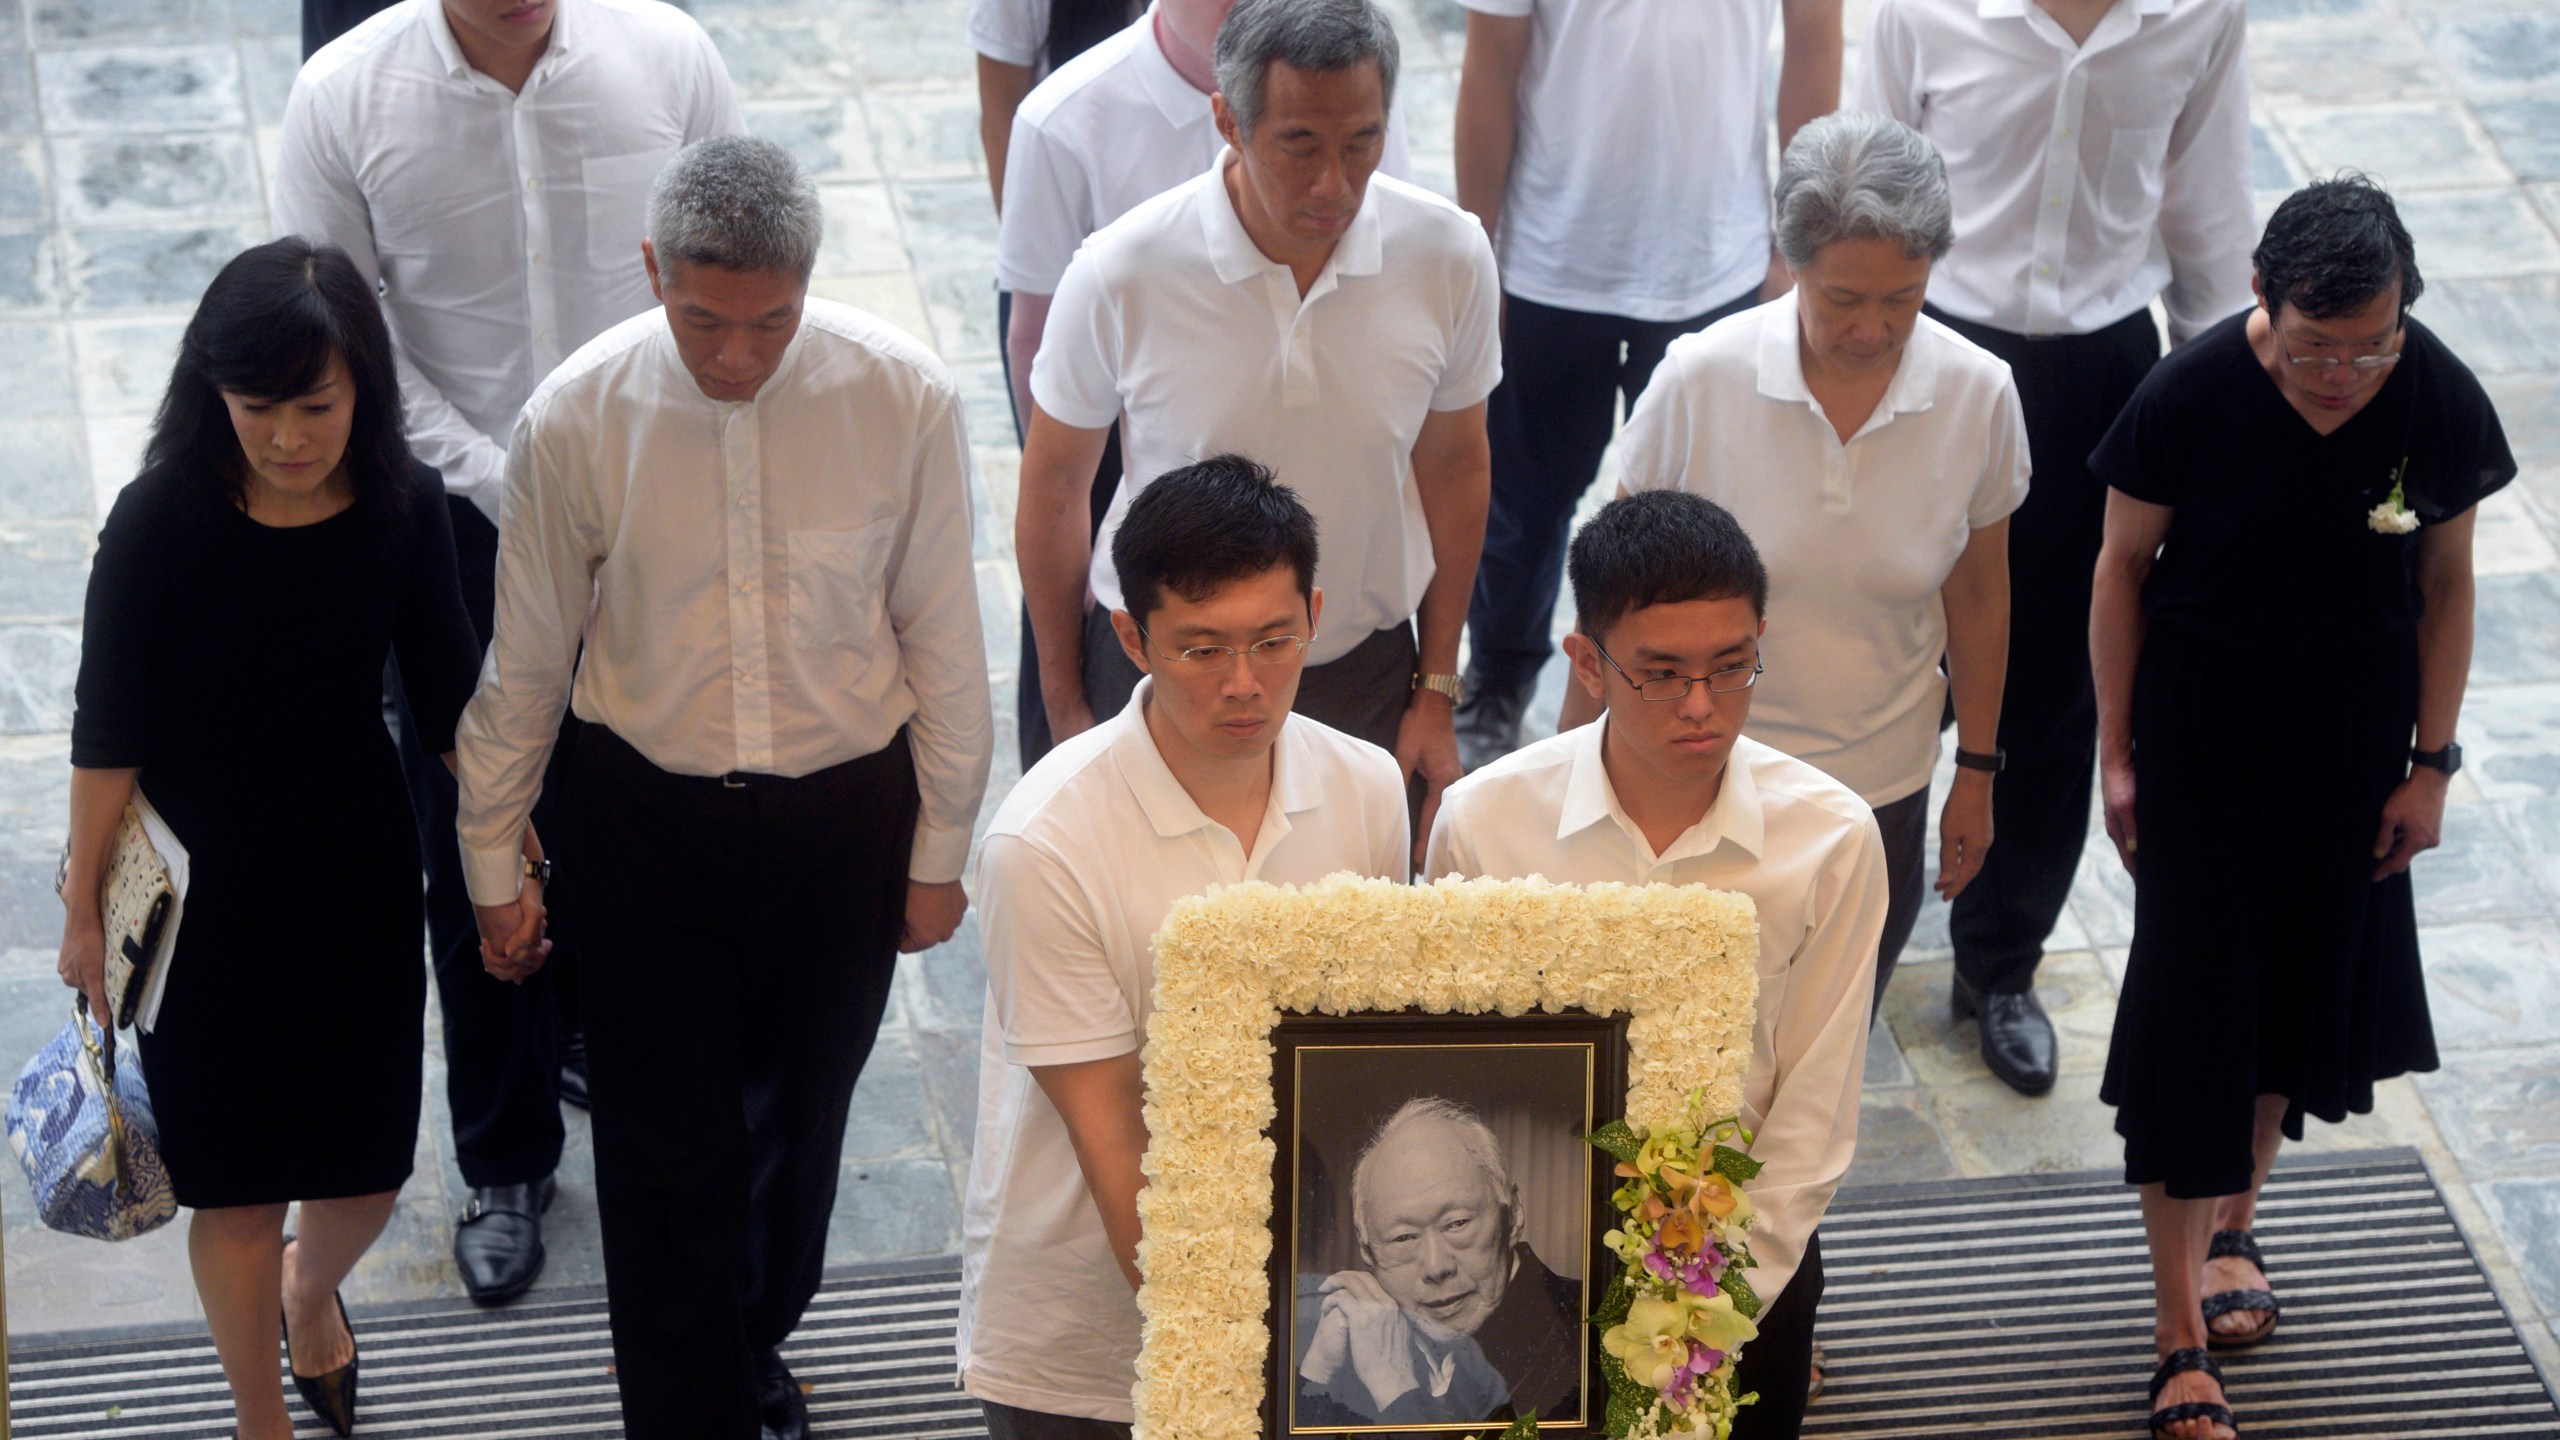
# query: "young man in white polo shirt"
{"type": "Point", "coordinates": [1338, 325]}
{"type": "Point", "coordinates": [1618, 152]}
{"type": "Point", "coordinates": [1665, 788]}
{"type": "Point", "coordinates": [1204, 778]}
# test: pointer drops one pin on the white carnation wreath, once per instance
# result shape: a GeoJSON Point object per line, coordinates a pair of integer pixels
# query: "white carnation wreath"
{"type": "Point", "coordinates": [1679, 961]}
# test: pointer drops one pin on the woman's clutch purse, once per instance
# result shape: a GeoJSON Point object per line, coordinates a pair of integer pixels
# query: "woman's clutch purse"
{"type": "Point", "coordinates": [135, 901]}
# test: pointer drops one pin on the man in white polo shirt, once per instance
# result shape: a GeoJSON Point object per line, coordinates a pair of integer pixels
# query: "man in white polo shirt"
{"type": "Point", "coordinates": [1666, 789]}
{"type": "Point", "coordinates": [1288, 304]}
{"type": "Point", "coordinates": [1618, 152]}
{"type": "Point", "coordinates": [1204, 778]}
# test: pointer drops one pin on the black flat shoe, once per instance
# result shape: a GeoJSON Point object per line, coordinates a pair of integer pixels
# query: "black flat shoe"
{"type": "Point", "coordinates": [784, 1409]}
{"type": "Point", "coordinates": [498, 1244]}
{"type": "Point", "coordinates": [2239, 1244]}
{"type": "Point", "coordinates": [2179, 1363]}
{"type": "Point", "coordinates": [332, 1397]}
{"type": "Point", "coordinates": [2017, 1038]}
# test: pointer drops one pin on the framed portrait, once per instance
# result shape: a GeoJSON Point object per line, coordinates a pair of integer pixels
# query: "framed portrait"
{"type": "Point", "coordinates": [1370, 1208]}
{"type": "Point", "coordinates": [1436, 1221]}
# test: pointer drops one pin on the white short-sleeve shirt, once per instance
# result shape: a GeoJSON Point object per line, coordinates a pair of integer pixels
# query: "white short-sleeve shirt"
{"type": "Point", "coordinates": [1013, 32]}
{"type": "Point", "coordinates": [1805, 849]}
{"type": "Point", "coordinates": [1172, 322]}
{"type": "Point", "coordinates": [1639, 173]}
{"type": "Point", "coordinates": [1080, 865]}
{"type": "Point", "coordinates": [1858, 538]}
{"type": "Point", "coordinates": [1114, 127]}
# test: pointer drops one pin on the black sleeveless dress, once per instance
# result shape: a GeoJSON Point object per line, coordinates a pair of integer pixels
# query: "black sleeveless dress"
{"type": "Point", "coordinates": [2273, 711]}
{"type": "Point", "coordinates": [240, 667]}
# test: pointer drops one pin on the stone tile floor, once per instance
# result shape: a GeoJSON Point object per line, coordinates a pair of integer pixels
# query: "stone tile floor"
{"type": "Point", "coordinates": [134, 136]}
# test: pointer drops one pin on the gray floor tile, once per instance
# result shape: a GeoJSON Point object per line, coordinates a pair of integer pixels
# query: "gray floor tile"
{"type": "Point", "coordinates": [2516, 630]}
{"type": "Point", "coordinates": [899, 48]}
{"type": "Point", "coordinates": [830, 137]}
{"type": "Point", "coordinates": [267, 67]}
{"type": "Point", "coordinates": [44, 568]}
{"type": "Point", "coordinates": [2526, 132]}
{"type": "Point", "coordinates": [862, 232]}
{"type": "Point", "coordinates": [194, 87]}
{"type": "Point", "coordinates": [949, 1060]}
{"type": "Point", "coordinates": [2499, 1110]}
{"type": "Point", "coordinates": [30, 272]}
{"type": "Point", "coordinates": [783, 55]}
{"type": "Point", "coordinates": [888, 1119]}
{"type": "Point", "coordinates": [951, 222]}
{"type": "Point", "coordinates": [35, 372]}
{"type": "Point", "coordinates": [25, 196]}
{"type": "Point", "coordinates": [146, 179]}
{"type": "Point", "coordinates": [2493, 983]}
{"type": "Point", "coordinates": [2465, 234]}
{"type": "Point", "coordinates": [43, 475]}
{"type": "Point", "coordinates": [268, 17]}
{"type": "Point", "coordinates": [1885, 1066]}
{"type": "Point", "coordinates": [29, 914]}
{"type": "Point", "coordinates": [2271, 164]}
{"type": "Point", "coordinates": [893, 1209]}
{"type": "Point", "coordinates": [2261, 11]}
{"type": "Point", "coordinates": [17, 88]}
{"type": "Point", "coordinates": [929, 133]}
{"type": "Point", "coordinates": [962, 304]}
{"type": "Point", "coordinates": [64, 23]}
{"type": "Point", "coordinates": [2498, 325]}
{"type": "Point", "coordinates": [2476, 874]}
{"type": "Point", "coordinates": [124, 364]}
{"type": "Point", "coordinates": [1898, 1143]}
{"type": "Point", "coordinates": [946, 987]}
{"type": "Point", "coordinates": [1943, 1050]}
{"type": "Point", "coordinates": [1993, 1130]}
{"type": "Point", "coordinates": [2493, 52]}
{"type": "Point", "coordinates": [133, 267]}
{"type": "Point", "coordinates": [2527, 1216]}
{"type": "Point", "coordinates": [2368, 56]}
{"type": "Point", "coordinates": [2402, 145]}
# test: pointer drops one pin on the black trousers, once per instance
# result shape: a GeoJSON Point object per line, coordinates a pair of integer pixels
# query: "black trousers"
{"type": "Point", "coordinates": [1905, 825]}
{"type": "Point", "coordinates": [2071, 387]}
{"type": "Point", "coordinates": [1363, 692]}
{"type": "Point", "coordinates": [326, 20]}
{"type": "Point", "coordinates": [1549, 422]}
{"type": "Point", "coordinates": [1779, 1364]}
{"type": "Point", "coordinates": [746, 933]}
{"type": "Point", "coordinates": [1031, 717]}
{"type": "Point", "coordinates": [501, 1041]}
{"type": "Point", "coordinates": [1004, 1422]}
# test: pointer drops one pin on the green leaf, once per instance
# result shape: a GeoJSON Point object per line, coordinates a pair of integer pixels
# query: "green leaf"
{"type": "Point", "coordinates": [1735, 1166]}
{"type": "Point", "coordinates": [1628, 1401]}
{"type": "Point", "coordinates": [1618, 1140]}
{"type": "Point", "coordinates": [1745, 1300]}
{"type": "Point", "coordinates": [1615, 1301]}
{"type": "Point", "coordinates": [1524, 1428]}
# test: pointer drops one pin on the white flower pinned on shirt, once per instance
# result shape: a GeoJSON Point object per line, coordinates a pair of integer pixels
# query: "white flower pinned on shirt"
{"type": "Point", "coordinates": [2393, 516]}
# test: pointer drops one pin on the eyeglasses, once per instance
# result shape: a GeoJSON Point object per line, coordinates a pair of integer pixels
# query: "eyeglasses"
{"type": "Point", "coordinates": [1672, 687]}
{"type": "Point", "coordinates": [1274, 651]}
{"type": "Point", "coordinates": [2325, 364]}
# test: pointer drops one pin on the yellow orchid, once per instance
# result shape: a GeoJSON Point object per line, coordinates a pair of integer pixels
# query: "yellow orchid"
{"type": "Point", "coordinates": [1714, 1323]}
{"type": "Point", "coordinates": [1654, 1342]}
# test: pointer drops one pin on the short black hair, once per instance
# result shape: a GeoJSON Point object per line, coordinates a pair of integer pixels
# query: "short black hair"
{"type": "Point", "coordinates": [1661, 547]}
{"type": "Point", "coordinates": [2334, 245]}
{"type": "Point", "coordinates": [1199, 527]}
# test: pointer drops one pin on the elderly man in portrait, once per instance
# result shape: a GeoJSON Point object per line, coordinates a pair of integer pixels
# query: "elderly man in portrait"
{"type": "Point", "coordinates": [1455, 1320]}
{"type": "Point", "coordinates": [1290, 304]}
{"type": "Point", "coordinates": [754, 508]}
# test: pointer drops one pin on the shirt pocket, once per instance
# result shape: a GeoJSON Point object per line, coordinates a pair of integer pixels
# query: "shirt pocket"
{"type": "Point", "coordinates": [839, 585]}
{"type": "Point", "coordinates": [617, 188]}
{"type": "Point", "coordinates": [2129, 189]}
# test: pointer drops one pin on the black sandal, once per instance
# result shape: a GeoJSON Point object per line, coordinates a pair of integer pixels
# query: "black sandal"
{"type": "Point", "coordinates": [2238, 1244]}
{"type": "Point", "coordinates": [2179, 1363]}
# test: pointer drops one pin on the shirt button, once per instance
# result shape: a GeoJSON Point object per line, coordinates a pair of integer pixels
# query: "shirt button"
{"type": "Point", "coordinates": [532, 184]}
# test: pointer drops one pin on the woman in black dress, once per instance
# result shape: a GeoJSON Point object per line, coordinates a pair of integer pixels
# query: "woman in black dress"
{"type": "Point", "coordinates": [278, 546]}
{"type": "Point", "coordinates": [2281, 633]}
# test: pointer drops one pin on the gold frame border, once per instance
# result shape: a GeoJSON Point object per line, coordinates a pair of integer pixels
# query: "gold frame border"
{"type": "Point", "coordinates": [1679, 961]}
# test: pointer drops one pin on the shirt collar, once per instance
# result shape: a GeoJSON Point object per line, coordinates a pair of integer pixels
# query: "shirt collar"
{"type": "Point", "coordinates": [1914, 386]}
{"type": "Point", "coordinates": [1175, 100]}
{"type": "Point", "coordinates": [1589, 799]}
{"type": "Point", "coordinates": [449, 50]}
{"type": "Point", "coordinates": [1297, 784]}
{"type": "Point", "coordinates": [1360, 251]}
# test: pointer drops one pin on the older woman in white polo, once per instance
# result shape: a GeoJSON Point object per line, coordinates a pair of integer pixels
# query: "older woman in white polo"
{"type": "Point", "coordinates": [1874, 456]}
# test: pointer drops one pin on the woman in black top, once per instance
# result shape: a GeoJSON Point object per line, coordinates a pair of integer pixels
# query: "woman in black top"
{"type": "Point", "coordinates": [2277, 692]}
{"type": "Point", "coordinates": [279, 545]}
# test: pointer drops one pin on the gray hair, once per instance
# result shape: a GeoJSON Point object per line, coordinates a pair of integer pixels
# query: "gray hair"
{"type": "Point", "coordinates": [1304, 35]}
{"type": "Point", "coordinates": [737, 203]}
{"type": "Point", "coordinates": [1474, 1137]}
{"type": "Point", "coordinates": [1856, 176]}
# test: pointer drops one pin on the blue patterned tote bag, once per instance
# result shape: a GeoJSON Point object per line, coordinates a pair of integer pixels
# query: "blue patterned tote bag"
{"type": "Point", "coordinates": [82, 1127]}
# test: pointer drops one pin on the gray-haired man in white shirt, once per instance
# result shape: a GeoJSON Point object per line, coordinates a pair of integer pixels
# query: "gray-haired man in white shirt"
{"type": "Point", "coordinates": [485, 163]}
{"type": "Point", "coordinates": [2097, 155]}
{"type": "Point", "coordinates": [1665, 788]}
{"type": "Point", "coordinates": [754, 509]}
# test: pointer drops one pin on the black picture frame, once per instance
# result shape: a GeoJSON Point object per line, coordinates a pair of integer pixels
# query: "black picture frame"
{"type": "Point", "coordinates": [1302, 1043]}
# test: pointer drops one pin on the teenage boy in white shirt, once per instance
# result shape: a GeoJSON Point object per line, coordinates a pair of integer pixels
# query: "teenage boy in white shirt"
{"type": "Point", "coordinates": [1669, 595]}
{"type": "Point", "coordinates": [1204, 778]}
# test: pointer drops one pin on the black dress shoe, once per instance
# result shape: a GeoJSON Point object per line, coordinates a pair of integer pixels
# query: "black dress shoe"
{"type": "Point", "coordinates": [332, 1397]}
{"type": "Point", "coordinates": [1488, 723]}
{"type": "Point", "coordinates": [498, 1246]}
{"type": "Point", "coordinates": [785, 1409]}
{"type": "Point", "coordinates": [573, 1072]}
{"type": "Point", "coordinates": [2017, 1039]}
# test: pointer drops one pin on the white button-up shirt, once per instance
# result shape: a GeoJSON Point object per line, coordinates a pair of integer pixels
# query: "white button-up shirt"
{"type": "Point", "coordinates": [1858, 538]}
{"type": "Point", "coordinates": [503, 229]}
{"type": "Point", "coordinates": [770, 586]}
{"type": "Point", "coordinates": [1805, 850]}
{"type": "Point", "coordinates": [1173, 322]}
{"type": "Point", "coordinates": [2087, 178]}
{"type": "Point", "coordinates": [1640, 174]}
{"type": "Point", "coordinates": [1081, 863]}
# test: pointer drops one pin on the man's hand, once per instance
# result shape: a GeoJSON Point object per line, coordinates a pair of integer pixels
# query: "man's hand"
{"type": "Point", "coordinates": [1361, 1324]}
{"type": "Point", "coordinates": [83, 962]}
{"type": "Point", "coordinates": [2115, 791]}
{"type": "Point", "coordinates": [1064, 704]}
{"type": "Point", "coordinates": [933, 912]}
{"type": "Point", "coordinates": [512, 946]}
{"type": "Point", "coordinates": [1427, 744]}
{"type": "Point", "coordinates": [2412, 820]}
{"type": "Point", "coordinates": [1964, 832]}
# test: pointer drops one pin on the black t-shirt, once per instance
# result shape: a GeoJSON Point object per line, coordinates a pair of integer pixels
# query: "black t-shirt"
{"type": "Point", "coordinates": [2270, 547]}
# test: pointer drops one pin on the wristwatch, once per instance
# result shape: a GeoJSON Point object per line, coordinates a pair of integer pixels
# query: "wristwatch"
{"type": "Point", "coordinates": [2448, 759]}
{"type": "Point", "coordinates": [1994, 762]}
{"type": "Point", "coordinates": [538, 871]}
{"type": "Point", "coordinates": [1449, 685]}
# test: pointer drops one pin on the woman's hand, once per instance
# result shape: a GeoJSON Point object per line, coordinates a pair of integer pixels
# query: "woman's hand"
{"type": "Point", "coordinates": [512, 946]}
{"type": "Point", "coordinates": [2412, 820]}
{"type": "Point", "coordinates": [83, 963]}
{"type": "Point", "coordinates": [1964, 832]}
{"type": "Point", "coordinates": [2115, 791]}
